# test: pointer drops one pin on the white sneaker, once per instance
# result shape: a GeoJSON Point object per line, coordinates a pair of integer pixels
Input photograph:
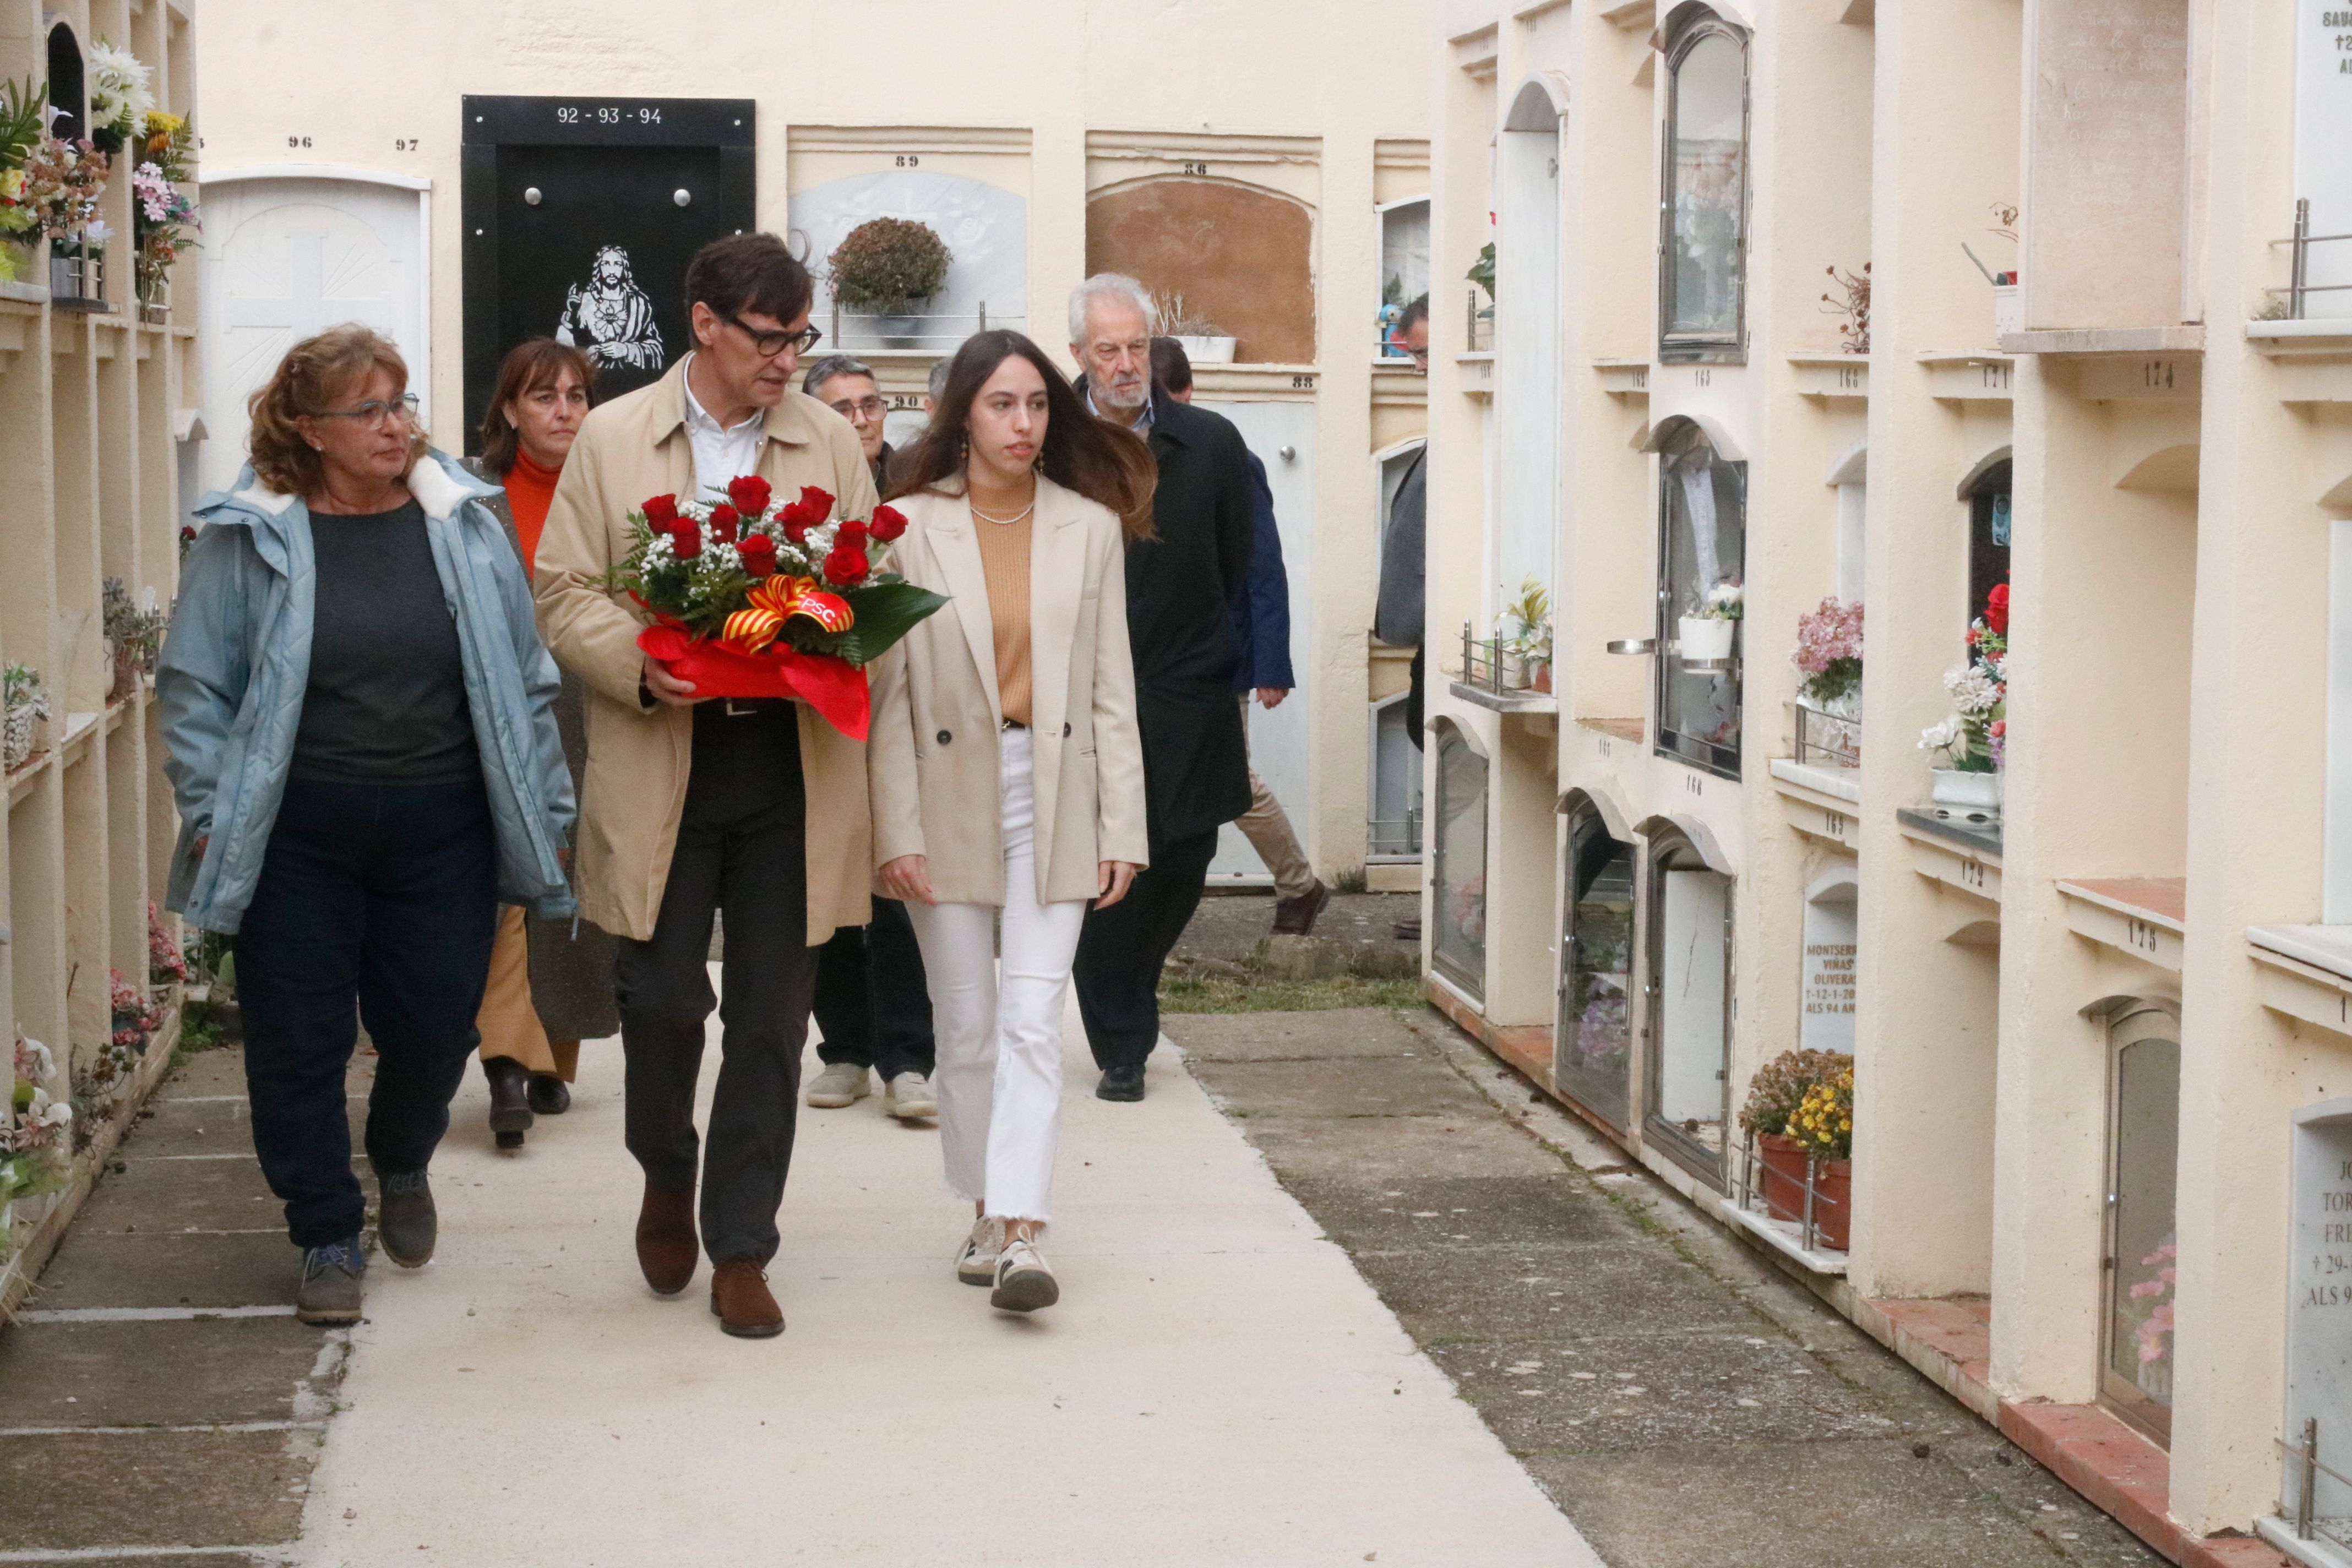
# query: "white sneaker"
{"type": "Point", "coordinates": [840, 1084]}
{"type": "Point", "coordinates": [1023, 1282]}
{"type": "Point", "coordinates": [976, 1264]}
{"type": "Point", "coordinates": [909, 1097]}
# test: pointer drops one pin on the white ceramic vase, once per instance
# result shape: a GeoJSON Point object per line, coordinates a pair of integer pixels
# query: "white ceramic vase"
{"type": "Point", "coordinates": [1968, 791]}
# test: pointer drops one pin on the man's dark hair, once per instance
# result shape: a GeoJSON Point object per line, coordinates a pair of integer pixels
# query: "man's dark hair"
{"type": "Point", "coordinates": [1416, 312]}
{"type": "Point", "coordinates": [752, 273]}
{"type": "Point", "coordinates": [1171, 367]}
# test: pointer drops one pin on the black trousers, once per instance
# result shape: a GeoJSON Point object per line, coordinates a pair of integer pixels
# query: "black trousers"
{"type": "Point", "coordinates": [741, 848]}
{"type": "Point", "coordinates": [1122, 949]}
{"type": "Point", "coordinates": [873, 1002]}
{"type": "Point", "coordinates": [376, 903]}
{"type": "Point", "coordinates": [1415, 700]}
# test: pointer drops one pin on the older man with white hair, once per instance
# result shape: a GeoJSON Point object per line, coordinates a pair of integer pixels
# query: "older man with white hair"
{"type": "Point", "coordinates": [1179, 586]}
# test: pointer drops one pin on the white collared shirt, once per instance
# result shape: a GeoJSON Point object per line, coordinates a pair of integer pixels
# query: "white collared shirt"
{"type": "Point", "coordinates": [721, 452]}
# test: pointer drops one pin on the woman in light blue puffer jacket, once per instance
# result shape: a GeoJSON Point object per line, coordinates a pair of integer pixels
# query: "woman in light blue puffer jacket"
{"type": "Point", "coordinates": [359, 715]}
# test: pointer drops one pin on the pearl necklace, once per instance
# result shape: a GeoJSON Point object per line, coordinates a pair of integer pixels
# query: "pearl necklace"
{"type": "Point", "coordinates": [1002, 522]}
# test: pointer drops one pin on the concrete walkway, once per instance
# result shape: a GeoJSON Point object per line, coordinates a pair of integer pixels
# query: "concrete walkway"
{"type": "Point", "coordinates": [1218, 1385]}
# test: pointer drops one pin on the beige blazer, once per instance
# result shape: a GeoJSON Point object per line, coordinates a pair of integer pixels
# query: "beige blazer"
{"type": "Point", "coordinates": [933, 756]}
{"type": "Point", "coordinates": [638, 754]}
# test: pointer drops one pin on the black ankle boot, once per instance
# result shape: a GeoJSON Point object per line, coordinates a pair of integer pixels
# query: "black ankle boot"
{"type": "Point", "coordinates": [511, 1115]}
{"type": "Point", "coordinates": [549, 1096]}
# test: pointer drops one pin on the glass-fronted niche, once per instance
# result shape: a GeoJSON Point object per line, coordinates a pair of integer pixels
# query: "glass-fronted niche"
{"type": "Point", "coordinates": [1702, 562]}
{"type": "Point", "coordinates": [1690, 1026]}
{"type": "Point", "coordinates": [2143, 1151]}
{"type": "Point", "coordinates": [1702, 284]}
{"type": "Point", "coordinates": [1458, 879]}
{"type": "Point", "coordinates": [1593, 1058]}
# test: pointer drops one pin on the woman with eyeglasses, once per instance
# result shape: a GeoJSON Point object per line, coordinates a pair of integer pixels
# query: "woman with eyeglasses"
{"type": "Point", "coordinates": [550, 983]}
{"type": "Point", "coordinates": [363, 742]}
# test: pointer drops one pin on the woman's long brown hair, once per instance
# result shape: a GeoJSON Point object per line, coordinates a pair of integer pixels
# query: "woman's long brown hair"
{"type": "Point", "coordinates": [1093, 457]}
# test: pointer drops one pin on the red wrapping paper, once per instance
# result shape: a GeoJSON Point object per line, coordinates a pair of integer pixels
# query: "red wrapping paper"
{"type": "Point", "coordinates": [833, 687]}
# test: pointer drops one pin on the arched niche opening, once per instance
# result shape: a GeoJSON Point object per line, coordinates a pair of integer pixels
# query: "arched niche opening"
{"type": "Point", "coordinates": [1528, 354]}
{"type": "Point", "coordinates": [1702, 566]}
{"type": "Point", "coordinates": [1690, 950]}
{"type": "Point", "coordinates": [1832, 940]}
{"type": "Point", "coordinates": [69, 90]}
{"type": "Point", "coordinates": [1240, 257]}
{"type": "Point", "coordinates": [1593, 1053]}
{"type": "Point", "coordinates": [1457, 835]}
{"type": "Point", "coordinates": [2140, 1247]}
{"type": "Point", "coordinates": [1702, 282]}
{"type": "Point", "coordinates": [1987, 489]}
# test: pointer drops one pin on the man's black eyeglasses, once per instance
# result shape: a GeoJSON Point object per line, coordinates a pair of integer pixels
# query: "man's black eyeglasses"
{"type": "Point", "coordinates": [771, 344]}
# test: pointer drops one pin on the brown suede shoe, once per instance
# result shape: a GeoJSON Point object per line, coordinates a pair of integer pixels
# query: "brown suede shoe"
{"type": "Point", "coordinates": [741, 1302]}
{"type": "Point", "coordinates": [666, 1245]}
{"type": "Point", "coordinates": [1296, 917]}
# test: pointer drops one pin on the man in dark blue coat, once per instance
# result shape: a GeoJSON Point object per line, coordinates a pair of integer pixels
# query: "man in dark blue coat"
{"type": "Point", "coordinates": [1262, 623]}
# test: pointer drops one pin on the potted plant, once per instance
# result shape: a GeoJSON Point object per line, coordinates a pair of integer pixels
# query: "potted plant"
{"type": "Point", "coordinates": [887, 267]}
{"type": "Point", "coordinates": [1823, 1127]}
{"type": "Point", "coordinates": [1829, 655]}
{"type": "Point", "coordinates": [1525, 640]}
{"type": "Point", "coordinates": [134, 635]}
{"type": "Point", "coordinates": [1705, 636]}
{"type": "Point", "coordinates": [1203, 341]}
{"type": "Point", "coordinates": [27, 704]}
{"type": "Point", "coordinates": [1774, 1095]}
{"type": "Point", "coordinates": [1973, 738]}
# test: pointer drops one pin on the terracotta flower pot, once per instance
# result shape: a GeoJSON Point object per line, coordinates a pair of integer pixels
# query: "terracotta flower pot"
{"type": "Point", "coordinates": [1784, 1175]}
{"type": "Point", "coordinates": [1833, 1203]}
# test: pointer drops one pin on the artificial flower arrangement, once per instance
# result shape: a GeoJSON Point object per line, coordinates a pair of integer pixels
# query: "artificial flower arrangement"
{"type": "Point", "coordinates": [121, 96]}
{"type": "Point", "coordinates": [163, 218]}
{"type": "Point", "coordinates": [63, 182]}
{"type": "Point", "coordinates": [1706, 634]}
{"type": "Point", "coordinates": [23, 120]}
{"type": "Point", "coordinates": [1976, 736]}
{"type": "Point", "coordinates": [36, 1133]}
{"type": "Point", "coordinates": [755, 598]}
{"type": "Point", "coordinates": [1524, 633]}
{"type": "Point", "coordinates": [167, 965]}
{"type": "Point", "coordinates": [2153, 1330]}
{"type": "Point", "coordinates": [1829, 651]}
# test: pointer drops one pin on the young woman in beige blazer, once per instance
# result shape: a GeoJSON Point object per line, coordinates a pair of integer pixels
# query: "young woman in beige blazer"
{"type": "Point", "coordinates": [1006, 770]}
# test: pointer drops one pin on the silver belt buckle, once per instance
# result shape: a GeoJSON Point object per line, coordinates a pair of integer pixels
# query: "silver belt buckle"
{"type": "Point", "coordinates": [740, 707]}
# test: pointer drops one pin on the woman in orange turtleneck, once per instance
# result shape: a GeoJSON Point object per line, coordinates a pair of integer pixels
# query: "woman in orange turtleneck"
{"type": "Point", "coordinates": [550, 983]}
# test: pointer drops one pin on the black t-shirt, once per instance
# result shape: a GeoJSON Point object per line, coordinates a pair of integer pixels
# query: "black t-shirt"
{"type": "Point", "coordinates": [386, 702]}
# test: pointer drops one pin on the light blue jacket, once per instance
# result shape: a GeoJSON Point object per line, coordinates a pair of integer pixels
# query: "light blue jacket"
{"type": "Point", "coordinates": [237, 662]}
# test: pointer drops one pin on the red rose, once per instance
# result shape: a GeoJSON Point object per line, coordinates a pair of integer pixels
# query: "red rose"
{"type": "Point", "coordinates": [685, 540]}
{"type": "Point", "coordinates": [723, 522]}
{"type": "Point", "coordinates": [1996, 609]}
{"type": "Point", "coordinates": [888, 523]}
{"type": "Point", "coordinates": [821, 500]}
{"type": "Point", "coordinates": [851, 535]}
{"type": "Point", "coordinates": [661, 511]}
{"type": "Point", "coordinates": [759, 553]}
{"type": "Point", "coordinates": [845, 566]}
{"type": "Point", "coordinates": [813, 507]}
{"type": "Point", "coordinates": [750, 493]}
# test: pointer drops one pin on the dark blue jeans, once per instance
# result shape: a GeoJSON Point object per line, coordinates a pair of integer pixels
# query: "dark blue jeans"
{"type": "Point", "coordinates": [872, 1000]}
{"type": "Point", "coordinates": [376, 903]}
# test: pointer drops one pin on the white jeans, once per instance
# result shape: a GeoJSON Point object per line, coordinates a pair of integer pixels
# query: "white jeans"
{"type": "Point", "coordinates": [1000, 1041]}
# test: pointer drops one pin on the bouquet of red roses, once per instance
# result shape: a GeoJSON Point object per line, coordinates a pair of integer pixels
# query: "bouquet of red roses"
{"type": "Point", "coordinates": [752, 597]}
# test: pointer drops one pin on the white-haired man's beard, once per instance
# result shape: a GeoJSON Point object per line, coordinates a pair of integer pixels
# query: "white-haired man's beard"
{"type": "Point", "coordinates": [1124, 392]}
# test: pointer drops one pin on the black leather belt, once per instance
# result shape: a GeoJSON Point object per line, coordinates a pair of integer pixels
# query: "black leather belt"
{"type": "Point", "coordinates": [1013, 724]}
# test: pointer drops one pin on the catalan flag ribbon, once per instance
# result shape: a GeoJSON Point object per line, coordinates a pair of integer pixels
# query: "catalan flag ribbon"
{"type": "Point", "coordinates": [777, 600]}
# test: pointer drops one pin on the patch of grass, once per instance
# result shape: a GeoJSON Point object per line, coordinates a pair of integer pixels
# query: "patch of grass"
{"type": "Point", "coordinates": [1201, 993]}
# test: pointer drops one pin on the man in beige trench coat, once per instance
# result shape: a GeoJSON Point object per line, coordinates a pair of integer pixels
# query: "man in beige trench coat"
{"type": "Point", "coordinates": [691, 806]}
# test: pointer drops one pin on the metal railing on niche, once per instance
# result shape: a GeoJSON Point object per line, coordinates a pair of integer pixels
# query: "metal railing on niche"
{"type": "Point", "coordinates": [2303, 1464]}
{"type": "Point", "coordinates": [1824, 740]}
{"type": "Point", "coordinates": [1491, 665]}
{"type": "Point", "coordinates": [1478, 325]}
{"type": "Point", "coordinates": [1399, 835]}
{"type": "Point", "coordinates": [2300, 288]}
{"type": "Point", "coordinates": [853, 329]}
{"type": "Point", "coordinates": [1784, 1198]}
